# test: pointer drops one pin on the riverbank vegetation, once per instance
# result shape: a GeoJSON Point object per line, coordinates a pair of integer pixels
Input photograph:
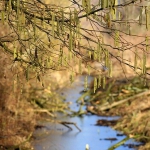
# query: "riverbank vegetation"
{"type": "Point", "coordinates": [40, 41]}
{"type": "Point", "coordinates": [129, 99]}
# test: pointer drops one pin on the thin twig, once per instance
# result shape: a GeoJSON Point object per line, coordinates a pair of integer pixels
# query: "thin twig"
{"type": "Point", "coordinates": [43, 111]}
{"type": "Point", "coordinates": [70, 123]}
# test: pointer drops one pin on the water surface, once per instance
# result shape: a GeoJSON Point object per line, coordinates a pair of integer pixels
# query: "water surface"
{"type": "Point", "coordinates": [57, 137]}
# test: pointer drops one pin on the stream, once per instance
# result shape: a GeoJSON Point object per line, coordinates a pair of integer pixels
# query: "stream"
{"type": "Point", "coordinates": [55, 136]}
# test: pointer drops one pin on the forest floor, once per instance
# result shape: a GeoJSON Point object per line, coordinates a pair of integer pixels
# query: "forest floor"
{"type": "Point", "coordinates": [129, 99]}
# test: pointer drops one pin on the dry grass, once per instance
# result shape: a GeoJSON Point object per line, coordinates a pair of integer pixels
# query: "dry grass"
{"type": "Point", "coordinates": [135, 120]}
{"type": "Point", "coordinates": [17, 119]}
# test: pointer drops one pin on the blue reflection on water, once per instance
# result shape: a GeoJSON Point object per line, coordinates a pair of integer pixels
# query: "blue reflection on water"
{"type": "Point", "coordinates": [58, 137]}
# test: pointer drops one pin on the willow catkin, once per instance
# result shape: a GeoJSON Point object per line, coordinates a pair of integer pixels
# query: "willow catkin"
{"type": "Point", "coordinates": [80, 66]}
{"type": "Point", "coordinates": [99, 81]}
{"type": "Point", "coordinates": [70, 25]}
{"type": "Point", "coordinates": [88, 6]}
{"type": "Point", "coordinates": [95, 54]}
{"type": "Point", "coordinates": [113, 15]}
{"type": "Point", "coordinates": [110, 68]}
{"type": "Point", "coordinates": [147, 18]}
{"type": "Point", "coordinates": [99, 2]}
{"type": "Point", "coordinates": [61, 55]}
{"type": "Point", "coordinates": [84, 3]}
{"type": "Point", "coordinates": [95, 84]}
{"type": "Point", "coordinates": [129, 29]}
{"type": "Point", "coordinates": [72, 76]}
{"type": "Point", "coordinates": [104, 3]}
{"type": "Point", "coordinates": [76, 19]}
{"type": "Point", "coordinates": [18, 8]}
{"type": "Point", "coordinates": [141, 16]}
{"type": "Point", "coordinates": [116, 40]}
{"type": "Point", "coordinates": [126, 14]}
{"type": "Point", "coordinates": [90, 54]}
{"type": "Point", "coordinates": [144, 63]}
{"type": "Point", "coordinates": [3, 17]}
{"type": "Point", "coordinates": [64, 61]}
{"type": "Point", "coordinates": [15, 52]}
{"type": "Point", "coordinates": [58, 28]}
{"type": "Point", "coordinates": [147, 43]}
{"type": "Point", "coordinates": [69, 56]}
{"type": "Point", "coordinates": [135, 60]}
{"type": "Point", "coordinates": [106, 58]}
{"type": "Point", "coordinates": [70, 41]}
{"type": "Point", "coordinates": [85, 83]}
{"type": "Point", "coordinates": [51, 61]}
{"type": "Point", "coordinates": [119, 15]}
{"type": "Point", "coordinates": [27, 73]}
{"type": "Point", "coordinates": [9, 5]}
{"type": "Point", "coordinates": [78, 30]}
{"type": "Point", "coordinates": [104, 82]}
{"type": "Point", "coordinates": [47, 62]}
{"type": "Point", "coordinates": [99, 51]}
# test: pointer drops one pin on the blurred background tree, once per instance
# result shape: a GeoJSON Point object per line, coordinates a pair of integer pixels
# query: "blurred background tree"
{"type": "Point", "coordinates": [43, 35]}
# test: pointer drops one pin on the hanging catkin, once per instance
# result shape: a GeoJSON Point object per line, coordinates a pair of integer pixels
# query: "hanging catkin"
{"type": "Point", "coordinates": [99, 81]}
{"type": "Point", "coordinates": [106, 58]}
{"type": "Point", "coordinates": [3, 17]}
{"type": "Point", "coordinates": [78, 30]}
{"type": "Point", "coordinates": [15, 52]}
{"type": "Point", "coordinates": [80, 66]}
{"type": "Point", "coordinates": [147, 43]}
{"type": "Point", "coordinates": [9, 6]}
{"type": "Point", "coordinates": [27, 73]}
{"type": "Point", "coordinates": [147, 17]}
{"type": "Point", "coordinates": [90, 54]}
{"type": "Point", "coordinates": [84, 3]}
{"type": "Point", "coordinates": [104, 82]}
{"type": "Point", "coordinates": [116, 40]}
{"type": "Point", "coordinates": [104, 4]}
{"type": "Point", "coordinates": [18, 8]}
{"type": "Point", "coordinates": [110, 68]}
{"type": "Point", "coordinates": [85, 83]}
{"type": "Point", "coordinates": [72, 76]}
{"type": "Point", "coordinates": [95, 84]}
{"type": "Point", "coordinates": [58, 28]}
{"type": "Point", "coordinates": [76, 19]}
{"type": "Point", "coordinates": [70, 41]}
{"type": "Point", "coordinates": [94, 54]}
{"type": "Point", "coordinates": [144, 63]}
{"type": "Point", "coordinates": [141, 16]}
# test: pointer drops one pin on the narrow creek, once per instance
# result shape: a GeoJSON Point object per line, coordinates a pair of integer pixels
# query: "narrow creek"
{"type": "Point", "coordinates": [58, 137]}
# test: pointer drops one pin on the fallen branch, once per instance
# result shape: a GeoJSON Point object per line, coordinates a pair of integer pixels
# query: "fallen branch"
{"type": "Point", "coordinates": [66, 125]}
{"type": "Point", "coordinates": [109, 106]}
{"type": "Point", "coordinates": [44, 111]}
